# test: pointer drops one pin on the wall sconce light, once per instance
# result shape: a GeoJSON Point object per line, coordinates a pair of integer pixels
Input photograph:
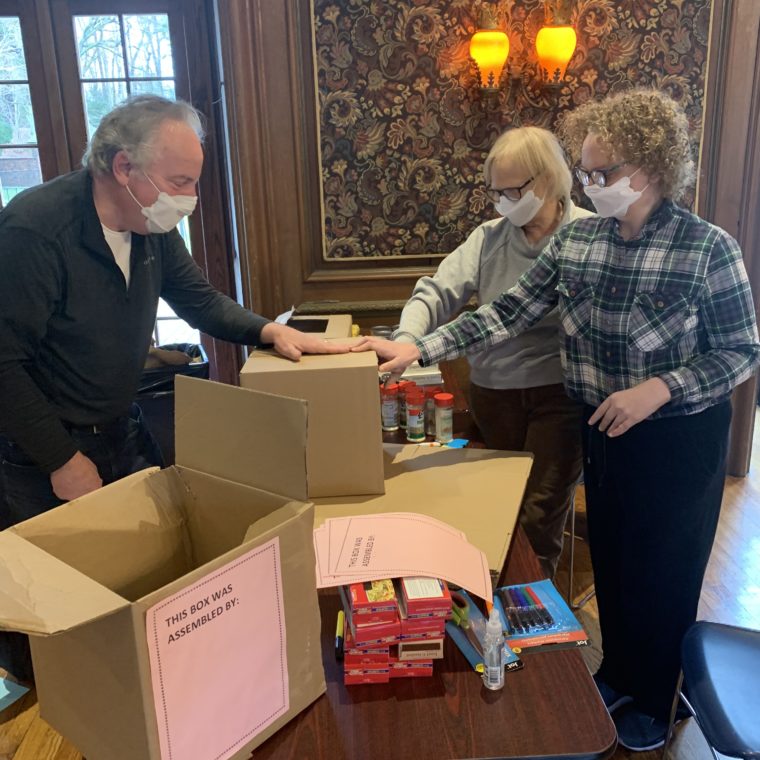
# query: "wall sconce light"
{"type": "Point", "coordinates": [489, 48]}
{"type": "Point", "coordinates": [555, 43]}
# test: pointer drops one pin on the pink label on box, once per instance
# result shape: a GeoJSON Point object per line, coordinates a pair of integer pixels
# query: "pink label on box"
{"type": "Point", "coordinates": [218, 658]}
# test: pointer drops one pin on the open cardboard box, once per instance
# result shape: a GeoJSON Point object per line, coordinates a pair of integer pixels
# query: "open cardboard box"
{"type": "Point", "coordinates": [345, 449]}
{"type": "Point", "coordinates": [173, 614]}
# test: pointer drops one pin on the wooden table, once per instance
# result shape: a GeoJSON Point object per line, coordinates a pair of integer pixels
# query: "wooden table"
{"type": "Point", "coordinates": [549, 709]}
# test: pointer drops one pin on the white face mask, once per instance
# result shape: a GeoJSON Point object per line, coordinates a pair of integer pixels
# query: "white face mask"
{"type": "Point", "coordinates": [522, 211]}
{"type": "Point", "coordinates": [616, 199]}
{"type": "Point", "coordinates": [167, 211]}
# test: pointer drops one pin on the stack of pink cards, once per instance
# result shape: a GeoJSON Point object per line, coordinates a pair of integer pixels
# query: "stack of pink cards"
{"type": "Point", "coordinates": [394, 545]}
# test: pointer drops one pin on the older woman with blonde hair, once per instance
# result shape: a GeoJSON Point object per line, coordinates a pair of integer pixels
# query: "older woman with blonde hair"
{"type": "Point", "coordinates": [657, 328]}
{"type": "Point", "coordinates": [517, 396]}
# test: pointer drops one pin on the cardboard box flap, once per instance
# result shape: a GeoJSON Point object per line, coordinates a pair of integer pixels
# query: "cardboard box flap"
{"type": "Point", "coordinates": [42, 595]}
{"type": "Point", "coordinates": [267, 526]}
{"type": "Point", "coordinates": [242, 435]}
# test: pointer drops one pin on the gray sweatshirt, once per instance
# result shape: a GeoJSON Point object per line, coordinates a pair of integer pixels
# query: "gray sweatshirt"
{"type": "Point", "coordinates": [489, 262]}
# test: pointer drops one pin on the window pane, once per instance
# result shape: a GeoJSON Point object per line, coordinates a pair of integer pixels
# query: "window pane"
{"type": "Point", "coordinates": [16, 117]}
{"type": "Point", "coordinates": [149, 51]}
{"type": "Point", "coordinates": [163, 87]}
{"type": "Point", "coordinates": [19, 169]}
{"type": "Point", "coordinates": [12, 63]}
{"type": "Point", "coordinates": [99, 47]}
{"type": "Point", "coordinates": [99, 99]}
{"type": "Point", "coordinates": [184, 230]}
{"type": "Point", "coordinates": [176, 331]}
{"type": "Point", "coordinates": [164, 310]}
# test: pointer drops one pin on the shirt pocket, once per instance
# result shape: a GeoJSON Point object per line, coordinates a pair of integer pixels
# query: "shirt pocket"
{"type": "Point", "coordinates": [575, 303]}
{"type": "Point", "coordinates": [656, 319]}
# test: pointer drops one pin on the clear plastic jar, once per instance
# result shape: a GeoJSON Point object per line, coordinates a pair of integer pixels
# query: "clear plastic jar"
{"type": "Point", "coordinates": [444, 417]}
{"type": "Point", "coordinates": [389, 406]}
{"type": "Point", "coordinates": [430, 392]}
{"type": "Point", "coordinates": [415, 415]}
{"type": "Point", "coordinates": [403, 387]}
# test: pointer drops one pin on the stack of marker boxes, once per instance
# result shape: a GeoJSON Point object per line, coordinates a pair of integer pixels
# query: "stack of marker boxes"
{"type": "Point", "coordinates": [394, 628]}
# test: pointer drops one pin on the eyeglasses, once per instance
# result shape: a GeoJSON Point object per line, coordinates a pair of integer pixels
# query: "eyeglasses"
{"type": "Point", "coordinates": [597, 176]}
{"type": "Point", "coordinates": [510, 193]}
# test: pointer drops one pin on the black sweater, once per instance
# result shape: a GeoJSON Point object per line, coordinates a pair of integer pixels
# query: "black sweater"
{"type": "Point", "coordinates": [73, 338]}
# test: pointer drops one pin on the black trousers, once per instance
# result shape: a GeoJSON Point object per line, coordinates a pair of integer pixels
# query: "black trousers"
{"type": "Point", "coordinates": [544, 421]}
{"type": "Point", "coordinates": [653, 499]}
{"type": "Point", "coordinates": [118, 449]}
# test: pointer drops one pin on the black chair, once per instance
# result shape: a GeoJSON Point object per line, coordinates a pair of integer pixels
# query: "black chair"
{"type": "Point", "coordinates": [720, 672]}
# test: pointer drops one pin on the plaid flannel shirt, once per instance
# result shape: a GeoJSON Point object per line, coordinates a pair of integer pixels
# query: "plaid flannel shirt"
{"type": "Point", "coordinates": [673, 303]}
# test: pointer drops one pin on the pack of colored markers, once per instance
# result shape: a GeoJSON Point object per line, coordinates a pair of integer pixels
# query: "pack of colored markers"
{"type": "Point", "coordinates": [470, 639]}
{"type": "Point", "coordinates": [535, 616]}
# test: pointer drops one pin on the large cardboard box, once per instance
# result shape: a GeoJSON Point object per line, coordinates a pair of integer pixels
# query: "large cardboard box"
{"type": "Point", "coordinates": [478, 491]}
{"type": "Point", "coordinates": [173, 615]}
{"type": "Point", "coordinates": [345, 450]}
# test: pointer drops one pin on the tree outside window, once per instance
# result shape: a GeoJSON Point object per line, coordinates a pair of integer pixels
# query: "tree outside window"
{"type": "Point", "coordinates": [19, 155]}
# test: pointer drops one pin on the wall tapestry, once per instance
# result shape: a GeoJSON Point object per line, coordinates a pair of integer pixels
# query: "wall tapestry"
{"type": "Point", "coordinates": [404, 128]}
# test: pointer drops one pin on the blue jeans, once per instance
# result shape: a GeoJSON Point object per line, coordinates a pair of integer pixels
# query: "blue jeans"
{"type": "Point", "coordinates": [118, 449]}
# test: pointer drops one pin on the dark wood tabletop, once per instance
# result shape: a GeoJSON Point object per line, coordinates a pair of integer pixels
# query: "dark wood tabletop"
{"type": "Point", "coordinates": [549, 709]}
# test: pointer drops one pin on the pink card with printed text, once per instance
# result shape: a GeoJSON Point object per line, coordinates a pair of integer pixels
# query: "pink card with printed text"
{"type": "Point", "coordinates": [218, 658]}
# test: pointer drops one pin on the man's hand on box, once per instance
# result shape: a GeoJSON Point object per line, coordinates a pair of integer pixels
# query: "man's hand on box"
{"type": "Point", "coordinates": [76, 478]}
{"type": "Point", "coordinates": [292, 343]}
{"type": "Point", "coordinates": [396, 356]}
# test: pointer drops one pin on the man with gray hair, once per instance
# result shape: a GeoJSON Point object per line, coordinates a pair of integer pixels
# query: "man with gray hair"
{"type": "Point", "coordinates": [84, 259]}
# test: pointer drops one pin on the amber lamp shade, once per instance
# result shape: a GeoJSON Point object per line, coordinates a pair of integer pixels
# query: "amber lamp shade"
{"type": "Point", "coordinates": [555, 46]}
{"type": "Point", "coordinates": [489, 48]}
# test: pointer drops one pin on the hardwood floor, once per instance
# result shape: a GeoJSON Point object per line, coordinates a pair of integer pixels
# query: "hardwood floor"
{"type": "Point", "coordinates": [731, 594]}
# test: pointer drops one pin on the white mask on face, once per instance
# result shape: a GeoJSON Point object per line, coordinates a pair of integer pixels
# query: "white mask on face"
{"type": "Point", "coordinates": [167, 211]}
{"type": "Point", "coordinates": [616, 199]}
{"type": "Point", "coordinates": [522, 211]}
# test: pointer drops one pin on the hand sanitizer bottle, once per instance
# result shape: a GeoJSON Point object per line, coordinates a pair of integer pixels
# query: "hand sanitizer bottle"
{"type": "Point", "coordinates": [493, 668]}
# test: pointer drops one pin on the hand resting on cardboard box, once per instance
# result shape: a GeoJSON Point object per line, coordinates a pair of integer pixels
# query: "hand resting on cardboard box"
{"type": "Point", "coordinates": [396, 356]}
{"type": "Point", "coordinates": [292, 343]}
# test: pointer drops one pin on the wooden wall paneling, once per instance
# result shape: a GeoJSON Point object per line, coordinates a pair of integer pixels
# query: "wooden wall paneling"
{"type": "Point", "coordinates": [271, 103]}
{"type": "Point", "coordinates": [39, 54]}
{"type": "Point", "coordinates": [745, 399]}
{"type": "Point", "coordinates": [192, 31]}
{"type": "Point", "coordinates": [729, 189]}
{"type": "Point", "coordinates": [45, 88]}
{"type": "Point", "coordinates": [68, 76]}
{"type": "Point", "coordinates": [256, 73]}
{"type": "Point", "coordinates": [232, 69]}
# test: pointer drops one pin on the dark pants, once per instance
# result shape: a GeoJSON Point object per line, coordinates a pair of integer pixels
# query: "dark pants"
{"type": "Point", "coordinates": [544, 421]}
{"type": "Point", "coordinates": [118, 449]}
{"type": "Point", "coordinates": [653, 497]}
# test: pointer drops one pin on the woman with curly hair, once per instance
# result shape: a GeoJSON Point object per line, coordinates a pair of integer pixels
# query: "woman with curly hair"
{"type": "Point", "coordinates": [657, 328]}
{"type": "Point", "coordinates": [516, 392]}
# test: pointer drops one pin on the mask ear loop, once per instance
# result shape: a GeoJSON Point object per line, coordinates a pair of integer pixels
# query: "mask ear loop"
{"type": "Point", "coordinates": [147, 176]}
{"type": "Point", "coordinates": [155, 187]}
{"type": "Point", "coordinates": [132, 196]}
